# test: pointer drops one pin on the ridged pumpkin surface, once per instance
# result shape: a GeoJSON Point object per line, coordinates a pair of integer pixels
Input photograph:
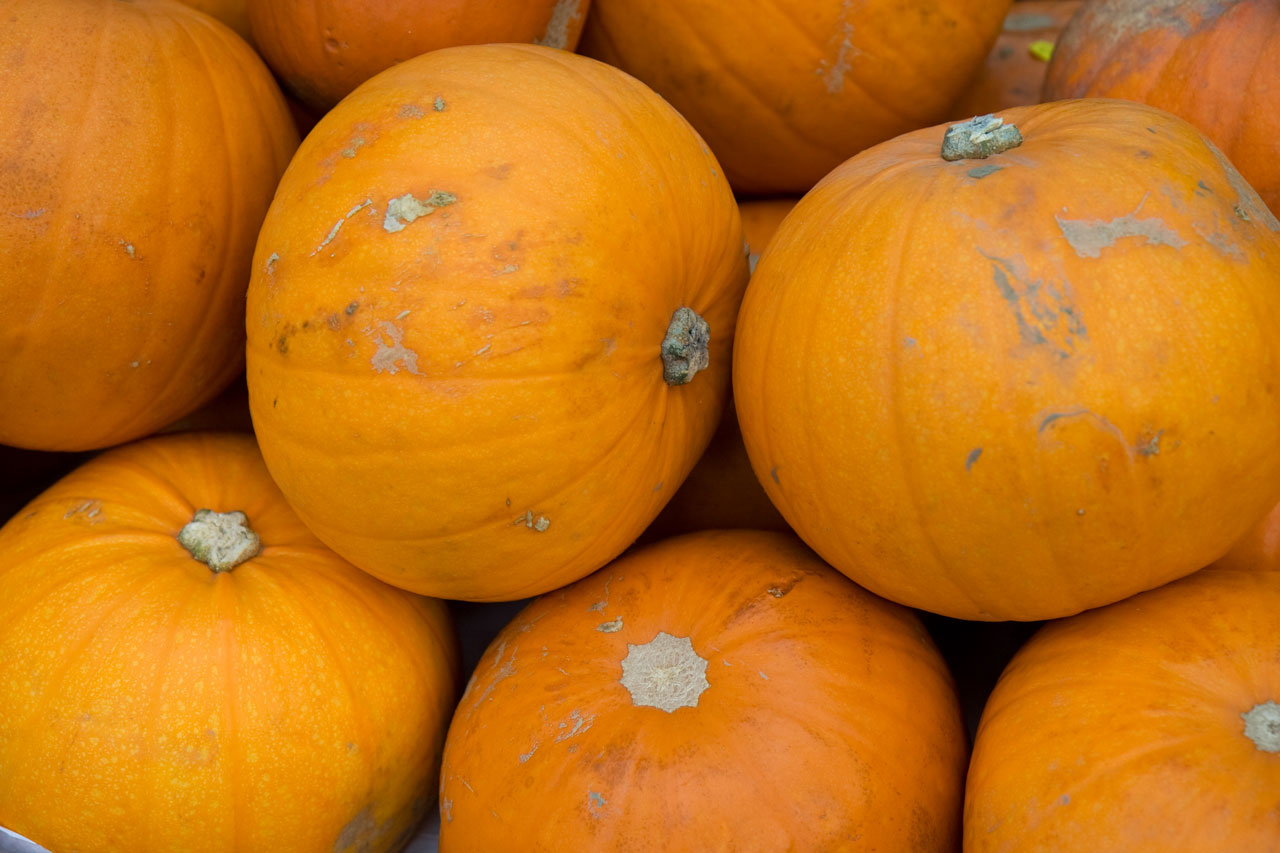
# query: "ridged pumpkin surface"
{"type": "Point", "coordinates": [322, 49]}
{"type": "Point", "coordinates": [139, 147]}
{"type": "Point", "coordinates": [785, 90]}
{"type": "Point", "coordinates": [1022, 386]}
{"type": "Point", "coordinates": [457, 314]}
{"type": "Point", "coordinates": [1152, 724]}
{"type": "Point", "coordinates": [1215, 63]}
{"type": "Point", "coordinates": [717, 691]}
{"type": "Point", "coordinates": [291, 703]}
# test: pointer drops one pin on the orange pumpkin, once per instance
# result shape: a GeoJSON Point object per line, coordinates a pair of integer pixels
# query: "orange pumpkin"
{"type": "Point", "coordinates": [1152, 724]}
{"type": "Point", "coordinates": [784, 90]}
{"type": "Point", "coordinates": [722, 491]}
{"type": "Point", "coordinates": [140, 150]}
{"type": "Point", "coordinates": [233, 13]}
{"type": "Point", "coordinates": [1258, 549]}
{"type": "Point", "coordinates": [1021, 386]}
{"type": "Point", "coordinates": [322, 49]}
{"type": "Point", "coordinates": [485, 348]}
{"type": "Point", "coordinates": [1013, 74]}
{"type": "Point", "coordinates": [718, 691]}
{"type": "Point", "coordinates": [1214, 63]}
{"type": "Point", "coordinates": [188, 668]}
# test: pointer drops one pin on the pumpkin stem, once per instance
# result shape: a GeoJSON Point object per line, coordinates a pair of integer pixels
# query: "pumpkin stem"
{"type": "Point", "coordinates": [664, 673]}
{"type": "Point", "coordinates": [979, 138]}
{"type": "Point", "coordinates": [1262, 726]}
{"type": "Point", "coordinates": [684, 349]}
{"type": "Point", "coordinates": [220, 540]}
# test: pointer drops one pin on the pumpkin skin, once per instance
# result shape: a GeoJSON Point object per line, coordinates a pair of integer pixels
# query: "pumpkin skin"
{"type": "Point", "coordinates": [1215, 63]}
{"type": "Point", "coordinates": [1258, 549]}
{"type": "Point", "coordinates": [1026, 385]}
{"type": "Point", "coordinates": [1013, 75]}
{"type": "Point", "coordinates": [1125, 728]}
{"type": "Point", "coordinates": [722, 491]}
{"type": "Point", "coordinates": [291, 703]}
{"type": "Point", "coordinates": [492, 370]}
{"type": "Point", "coordinates": [808, 679]}
{"type": "Point", "coordinates": [233, 13]}
{"type": "Point", "coordinates": [323, 49]}
{"type": "Point", "coordinates": [839, 76]}
{"type": "Point", "coordinates": [140, 154]}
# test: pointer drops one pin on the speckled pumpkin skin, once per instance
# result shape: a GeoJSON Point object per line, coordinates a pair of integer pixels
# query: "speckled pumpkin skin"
{"type": "Point", "coordinates": [137, 158]}
{"type": "Point", "coordinates": [292, 703]}
{"type": "Point", "coordinates": [825, 718]}
{"type": "Point", "coordinates": [1020, 387]}
{"type": "Point", "coordinates": [468, 400]}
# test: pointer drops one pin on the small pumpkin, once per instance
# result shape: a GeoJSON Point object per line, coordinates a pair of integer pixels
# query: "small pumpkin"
{"type": "Point", "coordinates": [140, 148]}
{"type": "Point", "coordinates": [1027, 380]}
{"type": "Point", "coordinates": [187, 667]}
{"type": "Point", "coordinates": [723, 690]}
{"type": "Point", "coordinates": [323, 49]}
{"type": "Point", "coordinates": [1215, 64]}
{"type": "Point", "coordinates": [1151, 724]}
{"type": "Point", "coordinates": [1014, 72]}
{"type": "Point", "coordinates": [485, 348]}
{"type": "Point", "coordinates": [785, 90]}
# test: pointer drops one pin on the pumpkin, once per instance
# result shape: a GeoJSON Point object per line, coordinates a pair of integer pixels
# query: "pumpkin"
{"type": "Point", "coordinates": [1214, 63]}
{"type": "Point", "coordinates": [1014, 72]}
{"type": "Point", "coordinates": [1152, 724]}
{"type": "Point", "coordinates": [723, 690]}
{"type": "Point", "coordinates": [722, 491]}
{"type": "Point", "coordinates": [322, 49]}
{"type": "Point", "coordinates": [233, 13]}
{"type": "Point", "coordinates": [835, 78]}
{"type": "Point", "coordinates": [1258, 549]}
{"type": "Point", "coordinates": [1029, 380]}
{"type": "Point", "coordinates": [484, 347]}
{"type": "Point", "coordinates": [140, 150]}
{"type": "Point", "coordinates": [188, 668]}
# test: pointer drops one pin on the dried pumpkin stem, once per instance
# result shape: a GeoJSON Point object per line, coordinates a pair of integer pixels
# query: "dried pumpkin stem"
{"type": "Point", "coordinates": [979, 138]}
{"type": "Point", "coordinates": [220, 540]}
{"type": "Point", "coordinates": [684, 349]}
{"type": "Point", "coordinates": [1262, 726]}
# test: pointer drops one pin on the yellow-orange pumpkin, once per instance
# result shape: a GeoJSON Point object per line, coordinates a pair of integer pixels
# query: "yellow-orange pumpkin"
{"type": "Point", "coordinates": [140, 144]}
{"type": "Point", "coordinates": [1021, 386]}
{"type": "Point", "coordinates": [784, 90]}
{"type": "Point", "coordinates": [322, 49]}
{"type": "Point", "coordinates": [1014, 72]}
{"type": "Point", "coordinates": [1215, 63]}
{"type": "Point", "coordinates": [1258, 549]}
{"type": "Point", "coordinates": [233, 13]}
{"type": "Point", "coordinates": [1152, 724]}
{"type": "Point", "coordinates": [152, 701]}
{"type": "Point", "coordinates": [458, 312]}
{"type": "Point", "coordinates": [718, 691]}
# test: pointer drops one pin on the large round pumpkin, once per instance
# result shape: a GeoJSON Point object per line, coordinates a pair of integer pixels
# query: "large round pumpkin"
{"type": "Point", "coordinates": [1020, 385]}
{"type": "Point", "coordinates": [784, 90]}
{"type": "Point", "coordinates": [322, 49]}
{"type": "Point", "coordinates": [1214, 63]}
{"type": "Point", "coordinates": [718, 691]}
{"type": "Point", "coordinates": [1014, 72]}
{"type": "Point", "coordinates": [1153, 724]}
{"type": "Point", "coordinates": [485, 346]}
{"type": "Point", "coordinates": [139, 143]}
{"type": "Point", "coordinates": [187, 668]}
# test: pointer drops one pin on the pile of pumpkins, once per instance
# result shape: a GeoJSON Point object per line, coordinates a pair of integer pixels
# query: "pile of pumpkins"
{"type": "Point", "coordinates": [1001, 344]}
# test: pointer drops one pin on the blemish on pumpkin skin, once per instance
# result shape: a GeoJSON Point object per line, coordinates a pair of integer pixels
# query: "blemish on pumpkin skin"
{"type": "Point", "coordinates": [90, 509]}
{"type": "Point", "coordinates": [972, 458]}
{"type": "Point", "coordinates": [356, 144]}
{"type": "Point", "coordinates": [538, 523]}
{"type": "Point", "coordinates": [527, 755]}
{"type": "Point", "coordinates": [411, 111]}
{"type": "Point", "coordinates": [128, 248]}
{"type": "Point", "coordinates": [1149, 446]}
{"type": "Point", "coordinates": [773, 472]}
{"type": "Point", "coordinates": [563, 14]}
{"type": "Point", "coordinates": [392, 355]}
{"type": "Point", "coordinates": [610, 627]}
{"type": "Point", "coordinates": [333, 232]}
{"type": "Point", "coordinates": [438, 104]}
{"type": "Point", "coordinates": [599, 606]}
{"type": "Point", "coordinates": [980, 172]}
{"type": "Point", "coordinates": [272, 260]}
{"type": "Point", "coordinates": [597, 801]}
{"type": "Point", "coordinates": [406, 209]}
{"type": "Point", "coordinates": [1088, 237]}
{"type": "Point", "coordinates": [580, 724]}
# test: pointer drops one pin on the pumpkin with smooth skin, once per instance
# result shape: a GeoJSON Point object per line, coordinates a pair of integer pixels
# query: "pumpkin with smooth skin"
{"type": "Point", "coordinates": [1152, 724]}
{"type": "Point", "coordinates": [139, 153]}
{"type": "Point", "coordinates": [1021, 385]}
{"type": "Point", "coordinates": [722, 491]}
{"type": "Point", "coordinates": [484, 347]}
{"type": "Point", "coordinates": [323, 49]}
{"type": "Point", "coordinates": [184, 680]}
{"type": "Point", "coordinates": [724, 690]}
{"type": "Point", "coordinates": [1014, 72]}
{"type": "Point", "coordinates": [1258, 549]}
{"type": "Point", "coordinates": [1215, 63]}
{"type": "Point", "coordinates": [233, 13]}
{"type": "Point", "coordinates": [785, 90]}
